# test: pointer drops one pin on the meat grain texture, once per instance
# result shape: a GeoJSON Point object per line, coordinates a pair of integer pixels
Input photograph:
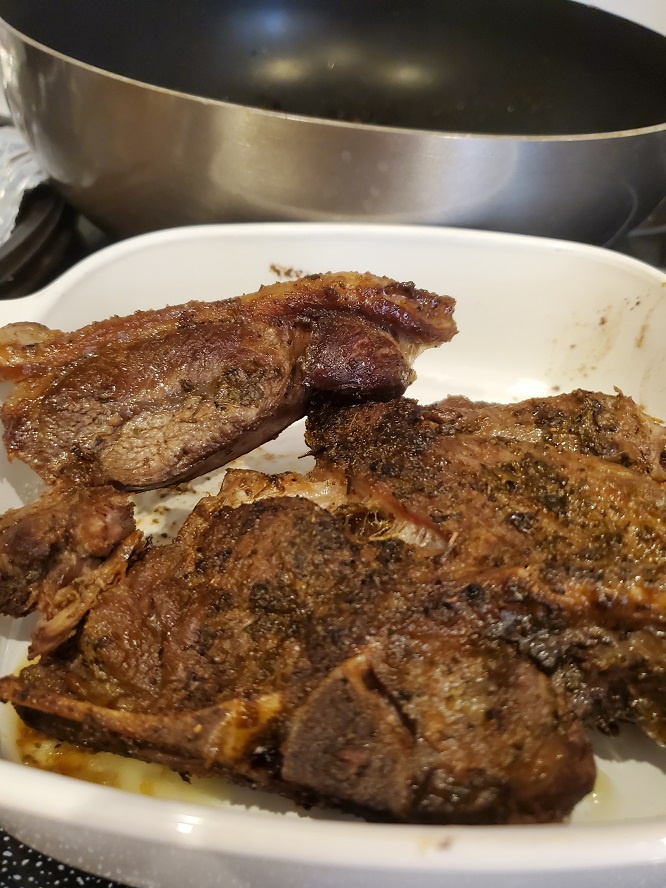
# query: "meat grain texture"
{"type": "Point", "coordinates": [162, 396]}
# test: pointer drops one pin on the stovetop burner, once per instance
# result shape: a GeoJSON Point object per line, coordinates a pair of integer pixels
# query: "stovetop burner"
{"type": "Point", "coordinates": [648, 241]}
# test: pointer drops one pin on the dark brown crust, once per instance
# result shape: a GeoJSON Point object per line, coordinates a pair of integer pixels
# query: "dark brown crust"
{"type": "Point", "coordinates": [552, 515]}
{"type": "Point", "coordinates": [313, 652]}
{"type": "Point", "coordinates": [517, 496]}
{"type": "Point", "coordinates": [399, 307]}
{"type": "Point", "coordinates": [353, 678]}
{"type": "Point", "coordinates": [441, 726]}
{"type": "Point", "coordinates": [610, 426]}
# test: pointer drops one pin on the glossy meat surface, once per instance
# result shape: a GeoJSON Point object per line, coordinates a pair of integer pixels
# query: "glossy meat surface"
{"type": "Point", "coordinates": [163, 396]}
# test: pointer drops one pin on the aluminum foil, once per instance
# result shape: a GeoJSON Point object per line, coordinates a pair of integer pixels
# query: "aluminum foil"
{"type": "Point", "coordinates": [19, 172]}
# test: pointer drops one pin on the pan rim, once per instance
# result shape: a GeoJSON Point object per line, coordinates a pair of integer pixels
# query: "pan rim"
{"type": "Point", "coordinates": [396, 131]}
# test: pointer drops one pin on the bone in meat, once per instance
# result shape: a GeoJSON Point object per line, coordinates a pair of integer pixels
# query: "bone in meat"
{"type": "Point", "coordinates": [267, 645]}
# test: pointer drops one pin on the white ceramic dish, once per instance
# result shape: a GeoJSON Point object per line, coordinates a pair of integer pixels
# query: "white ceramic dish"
{"type": "Point", "coordinates": [650, 13]}
{"type": "Point", "coordinates": [535, 317]}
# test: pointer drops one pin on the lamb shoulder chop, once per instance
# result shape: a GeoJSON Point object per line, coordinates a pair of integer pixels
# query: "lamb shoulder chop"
{"type": "Point", "coordinates": [269, 645]}
{"type": "Point", "coordinates": [162, 396]}
{"type": "Point", "coordinates": [425, 644]}
{"type": "Point", "coordinates": [329, 652]}
{"type": "Point", "coordinates": [549, 514]}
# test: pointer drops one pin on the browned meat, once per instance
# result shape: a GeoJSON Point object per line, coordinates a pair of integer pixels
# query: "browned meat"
{"type": "Point", "coordinates": [165, 395]}
{"type": "Point", "coordinates": [438, 725]}
{"type": "Point", "coordinates": [268, 645]}
{"type": "Point", "coordinates": [499, 494]}
{"type": "Point", "coordinates": [592, 620]}
{"type": "Point", "coordinates": [608, 673]}
{"type": "Point", "coordinates": [417, 631]}
{"type": "Point", "coordinates": [62, 612]}
{"type": "Point", "coordinates": [47, 545]}
{"type": "Point", "coordinates": [610, 426]}
{"type": "Point", "coordinates": [553, 524]}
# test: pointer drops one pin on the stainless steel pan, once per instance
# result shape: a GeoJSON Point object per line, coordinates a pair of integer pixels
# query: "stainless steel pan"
{"type": "Point", "coordinates": [540, 116]}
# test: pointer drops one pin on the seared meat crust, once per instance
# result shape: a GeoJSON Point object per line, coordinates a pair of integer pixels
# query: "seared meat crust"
{"type": "Point", "coordinates": [162, 396]}
{"type": "Point", "coordinates": [594, 423]}
{"type": "Point", "coordinates": [214, 655]}
{"type": "Point", "coordinates": [427, 646]}
{"type": "Point", "coordinates": [553, 531]}
{"type": "Point", "coordinates": [503, 495]}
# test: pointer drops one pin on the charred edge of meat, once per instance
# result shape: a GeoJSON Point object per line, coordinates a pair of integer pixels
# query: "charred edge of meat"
{"type": "Point", "coordinates": [26, 351]}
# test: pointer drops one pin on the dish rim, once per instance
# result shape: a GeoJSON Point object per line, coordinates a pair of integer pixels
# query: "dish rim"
{"type": "Point", "coordinates": [317, 230]}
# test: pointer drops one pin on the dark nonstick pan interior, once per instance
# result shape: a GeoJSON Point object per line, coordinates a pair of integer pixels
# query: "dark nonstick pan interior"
{"type": "Point", "coordinates": [539, 67]}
